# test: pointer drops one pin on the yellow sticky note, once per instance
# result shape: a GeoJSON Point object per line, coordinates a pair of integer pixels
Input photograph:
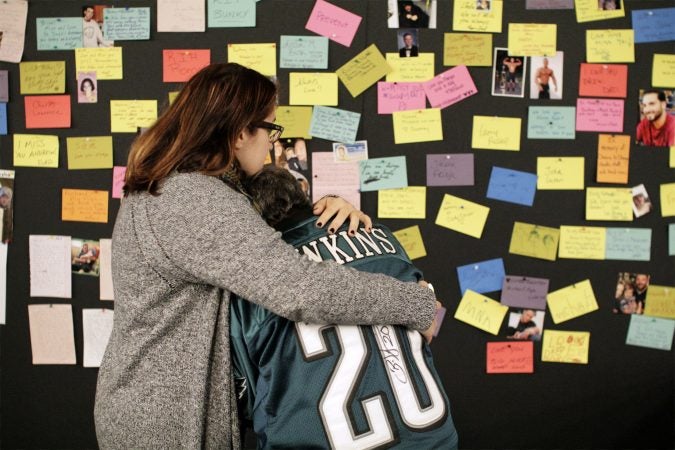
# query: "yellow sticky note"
{"type": "Point", "coordinates": [496, 133]}
{"type": "Point", "coordinates": [403, 203]}
{"type": "Point", "coordinates": [417, 126]}
{"type": "Point", "coordinates": [667, 199]}
{"type": "Point", "coordinates": [672, 157]}
{"type": "Point", "coordinates": [84, 205]}
{"type": "Point", "coordinates": [90, 152]}
{"type": "Point", "coordinates": [660, 301]}
{"type": "Point", "coordinates": [564, 173]}
{"type": "Point", "coordinates": [481, 312]}
{"type": "Point", "coordinates": [468, 49]}
{"type": "Point", "coordinates": [609, 204]}
{"type": "Point", "coordinates": [259, 57]}
{"type": "Point", "coordinates": [295, 120]}
{"type": "Point", "coordinates": [582, 242]}
{"type": "Point", "coordinates": [411, 241]}
{"type": "Point", "coordinates": [534, 240]}
{"type": "Point", "coordinates": [565, 346]}
{"type": "Point", "coordinates": [105, 61]}
{"type": "Point", "coordinates": [363, 70]}
{"type": "Point", "coordinates": [587, 11]}
{"type": "Point", "coordinates": [420, 68]}
{"type": "Point", "coordinates": [42, 77]}
{"type": "Point", "coordinates": [663, 70]}
{"type": "Point", "coordinates": [313, 88]}
{"type": "Point", "coordinates": [172, 96]}
{"type": "Point", "coordinates": [532, 39]}
{"type": "Point", "coordinates": [126, 116]}
{"type": "Point", "coordinates": [36, 150]}
{"type": "Point", "coordinates": [462, 215]}
{"type": "Point", "coordinates": [610, 46]}
{"type": "Point", "coordinates": [571, 301]}
{"type": "Point", "coordinates": [466, 17]}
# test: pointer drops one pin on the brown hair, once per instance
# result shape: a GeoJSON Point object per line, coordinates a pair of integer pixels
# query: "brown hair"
{"type": "Point", "coordinates": [276, 192]}
{"type": "Point", "coordinates": [198, 131]}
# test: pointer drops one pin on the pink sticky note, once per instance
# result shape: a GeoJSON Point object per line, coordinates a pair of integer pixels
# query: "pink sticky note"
{"type": "Point", "coordinates": [180, 65]}
{"type": "Point", "coordinates": [118, 181]}
{"type": "Point", "coordinates": [47, 111]}
{"type": "Point", "coordinates": [594, 114]}
{"type": "Point", "coordinates": [449, 87]}
{"type": "Point", "coordinates": [339, 178]}
{"type": "Point", "coordinates": [510, 357]}
{"type": "Point", "coordinates": [333, 22]}
{"type": "Point", "coordinates": [399, 97]}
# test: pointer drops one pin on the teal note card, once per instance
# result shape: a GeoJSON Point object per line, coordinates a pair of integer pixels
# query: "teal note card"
{"type": "Point", "coordinates": [628, 244]}
{"type": "Point", "coordinates": [126, 24]}
{"type": "Point", "coordinates": [671, 239]}
{"type": "Point", "coordinates": [231, 13]}
{"type": "Point", "coordinates": [652, 332]}
{"type": "Point", "coordinates": [59, 33]}
{"type": "Point", "coordinates": [334, 124]}
{"type": "Point", "coordinates": [303, 52]}
{"type": "Point", "coordinates": [551, 122]}
{"type": "Point", "coordinates": [383, 173]}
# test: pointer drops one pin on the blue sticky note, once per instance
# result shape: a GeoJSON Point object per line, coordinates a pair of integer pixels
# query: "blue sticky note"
{"type": "Point", "coordinates": [303, 52]}
{"type": "Point", "coordinates": [671, 239]}
{"type": "Point", "coordinates": [651, 332]}
{"type": "Point", "coordinates": [334, 124]}
{"type": "Point", "coordinates": [3, 119]}
{"type": "Point", "coordinates": [126, 24]}
{"type": "Point", "coordinates": [383, 173]}
{"type": "Point", "coordinates": [628, 244]}
{"type": "Point", "coordinates": [654, 25]}
{"type": "Point", "coordinates": [512, 186]}
{"type": "Point", "coordinates": [59, 33]}
{"type": "Point", "coordinates": [551, 122]}
{"type": "Point", "coordinates": [231, 13]}
{"type": "Point", "coordinates": [481, 277]}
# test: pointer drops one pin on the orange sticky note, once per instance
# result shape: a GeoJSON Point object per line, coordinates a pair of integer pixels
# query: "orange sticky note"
{"type": "Point", "coordinates": [84, 205]}
{"type": "Point", "coordinates": [613, 158]}
{"type": "Point", "coordinates": [47, 111]}
{"type": "Point", "coordinates": [510, 357]}
{"type": "Point", "coordinates": [603, 80]}
{"type": "Point", "coordinates": [180, 65]}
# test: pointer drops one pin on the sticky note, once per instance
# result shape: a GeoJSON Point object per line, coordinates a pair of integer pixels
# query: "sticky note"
{"type": "Point", "coordinates": [532, 39]}
{"type": "Point", "coordinates": [94, 152]}
{"type": "Point", "coordinates": [481, 277]}
{"type": "Point", "coordinates": [4, 86]}
{"type": "Point", "coordinates": [512, 186]}
{"type": "Point", "coordinates": [450, 87]}
{"type": "Point", "coordinates": [588, 11]}
{"type": "Point", "coordinates": [663, 70]}
{"type": "Point", "coordinates": [603, 80]}
{"type": "Point", "coordinates": [259, 57]}
{"type": "Point", "coordinates": [50, 270]}
{"type": "Point", "coordinates": [551, 122]}
{"type": "Point", "coordinates": [84, 205]}
{"type": "Point", "coordinates": [172, 96]}
{"type": "Point", "coordinates": [402, 203]}
{"type": "Point", "coordinates": [13, 24]}
{"type": "Point", "coordinates": [105, 61]}
{"type": "Point", "coordinates": [126, 116]}
{"type": "Point", "coordinates": [468, 49]}
{"type": "Point", "coordinates": [180, 65]}
{"type": "Point", "coordinates": [565, 346]}
{"type": "Point", "coordinates": [466, 17]}
{"type": "Point", "coordinates": [671, 160]}
{"type": "Point", "coordinates": [59, 33]}
{"type": "Point", "coordinates": [126, 24]}
{"type": "Point", "coordinates": [610, 46]}
{"type": "Point", "coordinates": [549, 4]}
{"type": "Point", "coordinates": [609, 204]}
{"type": "Point", "coordinates": [400, 97]}
{"type": "Point", "coordinates": [105, 275]}
{"type": "Point", "coordinates": [420, 68]}
{"type": "Point", "coordinates": [560, 173]}
{"type": "Point", "coordinates": [47, 111]}
{"type": "Point", "coordinates": [52, 338]}
{"type": "Point", "coordinates": [571, 301]}
{"type": "Point", "coordinates": [660, 301]}
{"type": "Point", "coordinates": [534, 241]}
{"type": "Point", "coordinates": [96, 329]}
{"type": "Point", "coordinates": [510, 357]}
{"type": "Point", "coordinates": [42, 77]}
{"type": "Point", "coordinates": [462, 215]}
{"type": "Point", "coordinates": [671, 239]}
{"type": "Point", "coordinates": [411, 241]}
{"type": "Point", "coordinates": [3, 119]}
{"type": "Point", "coordinates": [628, 244]}
{"type": "Point", "coordinates": [313, 88]}
{"type": "Point", "coordinates": [481, 312]}
{"type": "Point", "coordinates": [417, 126]}
{"type": "Point", "coordinates": [594, 114]}
{"type": "Point", "coordinates": [383, 173]}
{"type": "Point", "coordinates": [181, 15]}
{"type": "Point", "coordinates": [231, 13]}
{"type": "Point", "coordinates": [667, 191]}
{"type": "Point", "coordinates": [303, 52]}
{"type": "Point", "coordinates": [35, 150]}
{"type": "Point", "coordinates": [333, 22]}
{"type": "Point", "coordinates": [524, 292]}
{"type": "Point", "coordinates": [582, 242]}
{"type": "Point", "coordinates": [119, 173]}
{"type": "Point", "coordinates": [362, 71]}
{"type": "Point", "coordinates": [295, 120]}
{"type": "Point", "coordinates": [496, 133]}
{"type": "Point", "coordinates": [455, 169]}
{"type": "Point", "coordinates": [650, 332]}
{"type": "Point", "coordinates": [336, 178]}
{"type": "Point", "coordinates": [613, 158]}
{"type": "Point", "coordinates": [334, 124]}
{"type": "Point", "coordinates": [653, 25]}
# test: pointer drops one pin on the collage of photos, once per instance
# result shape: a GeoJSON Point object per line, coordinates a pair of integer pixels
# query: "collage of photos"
{"type": "Point", "coordinates": [656, 123]}
{"type": "Point", "coordinates": [85, 257]}
{"type": "Point", "coordinates": [411, 14]}
{"type": "Point", "coordinates": [631, 293]}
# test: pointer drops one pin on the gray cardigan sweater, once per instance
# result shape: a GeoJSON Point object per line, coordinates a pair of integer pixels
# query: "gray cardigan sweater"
{"type": "Point", "coordinates": [165, 380]}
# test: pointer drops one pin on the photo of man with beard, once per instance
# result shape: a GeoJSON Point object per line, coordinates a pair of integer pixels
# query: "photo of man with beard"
{"type": "Point", "coordinates": [657, 127]}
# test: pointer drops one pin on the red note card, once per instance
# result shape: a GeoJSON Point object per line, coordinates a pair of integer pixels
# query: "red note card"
{"type": "Point", "coordinates": [333, 22]}
{"type": "Point", "coordinates": [180, 65]}
{"type": "Point", "coordinates": [510, 357]}
{"type": "Point", "coordinates": [603, 80]}
{"type": "Point", "coordinates": [47, 111]}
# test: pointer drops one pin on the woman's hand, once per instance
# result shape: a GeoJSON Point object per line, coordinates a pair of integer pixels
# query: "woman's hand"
{"type": "Point", "coordinates": [429, 332]}
{"type": "Point", "coordinates": [340, 210]}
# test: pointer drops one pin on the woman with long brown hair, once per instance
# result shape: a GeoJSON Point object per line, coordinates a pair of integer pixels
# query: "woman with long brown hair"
{"type": "Point", "coordinates": [186, 236]}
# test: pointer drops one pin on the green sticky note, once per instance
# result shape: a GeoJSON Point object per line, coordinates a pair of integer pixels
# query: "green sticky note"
{"type": "Point", "coordinates": [231, 13]}
{"type": "Point", "coordinates": [651, 332]}
{"type": "Point", "coordinates": [551, 122]}
{"type": "Point", "coordinates": [303, 52]}
{"type": "Point", "coordinates": [90, 152]}
{"type": "Point", "coordinates": [671, 239]}
{"type": "Point", "coordinates": [628, 244]}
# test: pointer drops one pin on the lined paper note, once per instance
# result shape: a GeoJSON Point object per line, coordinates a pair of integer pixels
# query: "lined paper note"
{"type": "Point", "coordinates": [50, 271]}
{"type": "Point", "coordinates": [337, 178]}
{"type": "Point", "coordinates": [13, 14]}
{"type": "Point", "coordinates": [105, 273]}
{"type": "Point", "coordinates": [403, 203]}
{"type": "Point", "coordinates": [96, 328]}
{"type": "Point", "coordinates": [52, 339]}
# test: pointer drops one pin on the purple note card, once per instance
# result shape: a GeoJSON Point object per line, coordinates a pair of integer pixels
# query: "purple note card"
{"type": "Point", "coordinates": [440, 315]}
{"type": "Point", "coordinates": [450, 87]}
{"type": "Point", "coordinates": [454, 169]}
{"type": "Point", "coordinates": [118, 181]}
{"type": "Point", "coordinates": [399, 97]}
{"type": "Point", "coordinates": [596, 114]}
{"type": "Point", "coordinates": [524, 292]}
{"type": "Point", "coordinates": [4, 86]}
{"type": "Point", "coordinates": [333, 22]}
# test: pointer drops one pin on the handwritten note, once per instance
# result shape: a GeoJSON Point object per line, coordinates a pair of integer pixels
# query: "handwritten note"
{"type": "Point", "coordinates": [482, 277]}
{"type": "Point", "coordinates": [105, 274]}
{"type": "Point", "coordinates": [524, 292]}
{"type": "Point", "coordinates": [334, 124]}
{"type": "Point", "coordinates": [450, 169]}
{"type": "Point", "coordinates": [231, 13]}
{"type": "Point", "coordinates": [628, 244]}
{"type": "Point", "coordinates": [603, 46]}
{"type": "Point", "coordinates": [362, 71]}
{"type": "Point", "coordinates": [594, 114]}
{"type": "Point", "coordinates": [613, 158]}
{"type": "Point", "coordinates": [551, 122]}
{"type": "Point", "coordinates": [96, 328]}
{"type": "Point", "coordinates": [411, 241]}
{"type": "Point", "coordinates": [560, 173]}
{"type": "Point", "coordinates": [43, 77]}
{"type": "Point", "coordinates": [126, 24]}
{"type": "Point", "coordinates": [535, 241]}
{"type": "Point", "coordinates": [84, 205]}
{"type": "Point", "coordinates": [510, 357]}
{"type": "Point", "coordinates": [295, 120]}
{"type": "Point", "coordinates": [420, 68]}
{"type": "Point", "coordinates": [582, 242]}
{"type": "Point", "coordinates": [126, 116]}
{"type": "Point", "coordinates": [532, 39]}
{"type": "Point", "coordinates": [181, 15]}
{"type": "Point", "coordinates": [466, 17]}
{"type": "Point", "coordinates": [512, 186]}
{"type": "Point", "coordinates": [47, 111]}
{"type": "Point", "coordinates": [180, 65]}
{"type": "Point", "coordinates": [383, 173]}
{"type": "Point", "coordinates": [653, 25]}
{"type": "Point", "coordinates": [33, 150]}
{"type": "Point", "coordinates": [50, 271]}
{"type": "Point", "coordinates": [549, 4]}
{"type": "Point", "coordinates": [663, 70]}
{"type": "Point", "coordinates": [468, 49]}
{"type": "Point", "coordinates": [571, 301]}
{"type": "Point", "coordinates": [333, 22]}
{"type": "Point", "coordinates": [59, 33]}
{"type": "Point", "coordinates": [403, 203]}
{"type": "Point", "coordinates": [399, 97]}
{"type": "Point", "coordinates": [259, 57]}
{"type": "Point", "coordinates": [303, 52]}
{"type": "Point", "coordinates": [566, 346]}
{"type": "Point", "coordinates": [481, 312]}
{"type": "Point", "coordinates": [667, 191]}
{"type": "Point", "coordinates": [4, 86]}
{"type": "Point", "coordinates": [52, 338]}
{"type": "Point", "coordinates": [496, 133]}
{"type": "Point", "coordinates": [338, 178]}
{"type": "Point", "coordinates": [588, 11]}
{"type": "Point", "coordinates": [105, 61]}
{"type": "Point", "coordinates": [603, 80]}
{"type": "Point", "coordinates": [650, 332]}
{"type": "Point", "coordinates": [119, 172]}
{"type": "Point", "coordinates": [462, 215]}
{"type": "Point", "coordinates": [417, 126]}
{"type": "Point", "coordinates": [90, 152]}
{"type": "Point", "coordinates": [609, 204]}
{"type": "Point", "coordinates": [660, 301]}
{"type": "Point", "coordinates": [449, 87]}
{"type": "Point", "coordinates": [313, 88]}
{"type": "Point", "coordinates": [13, 16]}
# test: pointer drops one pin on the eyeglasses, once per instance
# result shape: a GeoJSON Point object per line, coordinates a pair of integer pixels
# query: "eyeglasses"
{"type": "Point", "coordinates": [273, 129]}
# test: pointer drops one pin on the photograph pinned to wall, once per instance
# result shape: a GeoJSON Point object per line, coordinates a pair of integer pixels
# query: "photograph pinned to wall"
{"type": "Point", "coordinates": [609, 5]}
{"type": "Point", "coordinates": [92, 26]}
{"type": "Point", "coordinates": [411, 13]}
{"type": "Point", "coordinates": [656, 123]}
{"type": "Point", "coordinates": [631, 293]}
{"type": "Point", "coordinates": [483, 5]}
{"type": "Point", "coordinates": [408, 42]}
{"type": "Point", "coordinates": [525, 324]}
{"type": "Point", "coordinates": [641, 202]}
{"type": "Point", "coordinates": [84, 255]}
{"type": "Point", "coordinates": [7, 204]}
{"type": "Point", "coordinates": [291, 154]}
{"type": "Point", "coordinates": [508, 74]}
{"type": "Point", "coordinates": [358, 151]}
{"type": "Point", "coordinates": [546, 77]}
{"type": "Point", "coordinates": [87, 87]}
